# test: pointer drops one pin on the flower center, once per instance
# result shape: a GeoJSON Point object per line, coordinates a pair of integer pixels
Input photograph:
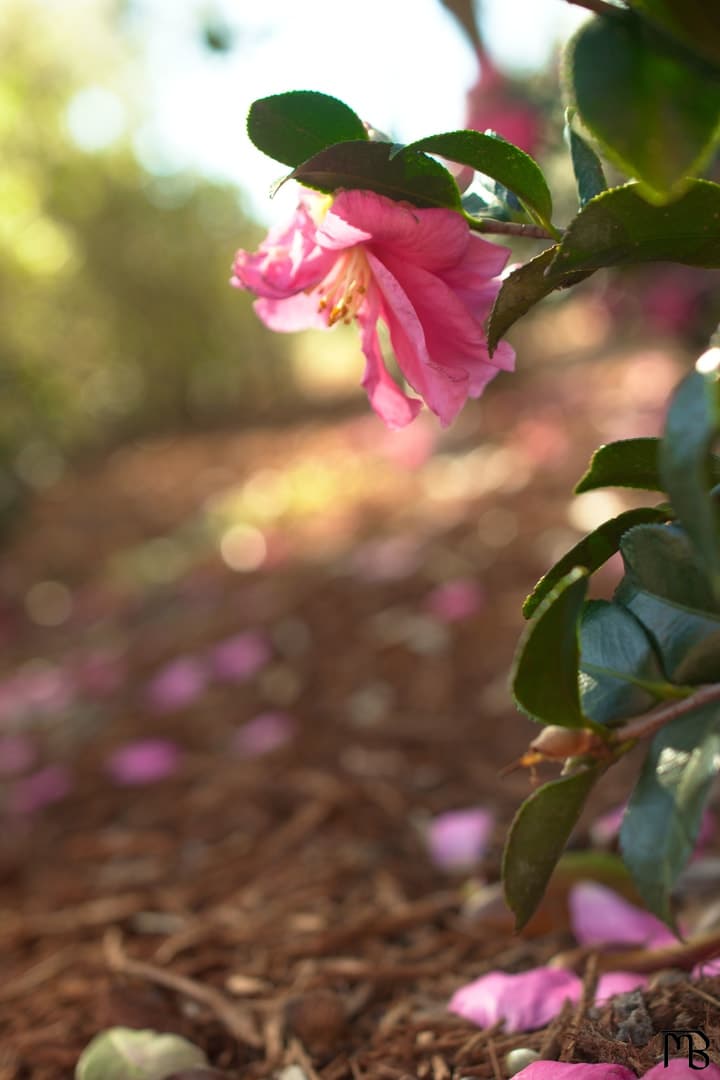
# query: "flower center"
{"type": "Point", "coordinates": [342, 293]}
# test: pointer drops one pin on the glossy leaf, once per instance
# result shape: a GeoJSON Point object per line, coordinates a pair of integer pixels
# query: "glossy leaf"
{"type": "Point", "coordinates": [701, 663]}
{"type": "Point", "coordinates": [620, 674]}
{"type": "Point", "coordinates": [588, 170]}
{"type": "Point", "coordinates": [292, 127]}
{"type": "Point", "coordinates": [675, 630]}
{"type": "Point", "coordinates": [654, 111]}
{"type": "Point", "coordinates": [685, 461]}
{"type": "Point", "coordinates": [661, 560]}
{"type": "Point", "coordinates": [619, 227]}
{"type": "Point", "coordinates": [592, 551]}
{"type": "Point", "coordinates": [694, 23]}
{"type": "Point", "coordinates": [537, 838]}
{"type": "Point", "coordinates": [522, 290]}
{"type": "Point", "coordinates": [661, 823]}
{"type": "Point", "coordinates": [553, 633]}
{"type": "Point", "coordinates": [126, 1054]}
{"type": "Point", "coordinates": [370, 166]}
{"type": "Point", "coordinates": [629, 463]}
{"type": "Point", "coordinates": [495, 157]}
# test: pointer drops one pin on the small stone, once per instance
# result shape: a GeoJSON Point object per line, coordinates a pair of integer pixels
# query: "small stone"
{"type": "Point", "coordinates": [520, 1058]}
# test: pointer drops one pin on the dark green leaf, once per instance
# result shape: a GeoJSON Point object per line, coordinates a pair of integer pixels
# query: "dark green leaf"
{"type": "Point", "coordinates": [674, 629]}
{"type": "Point", "coordinates": [619, 227]}
{"type": "Point", "coordinates": [694, 23]}
{"type": "Point", "coordinates": [589, 175]}
{"type": "Point", "coordinates": [521, 290]}
{"type": "Point", "coordinates": [661, 560]}
{"type": "Point", "coordinates": [409, 176]}
{"type": "Point", "coordinates": [701, 664]}
{"type": "Point", "coordinates": [618, 664]}
{"type": "Point", "coordinates": [654, 111]}
{"type": "Point", "coordinates": [631, 463]}
{"type": "Point", "coordinates": [493, 156]}
{"type": "Point", "coordinates": [537, 837]}
{"type": "Point", "coordinates": [686, 465]}
{"type": "Point", "coordinates": [552, 637]}
{"type": "Point", "coordinates": [292, 127]}
{"type": "Point", "coordinates": [592, 551]}
{"type": "Point", "coordinates": [661, 823]}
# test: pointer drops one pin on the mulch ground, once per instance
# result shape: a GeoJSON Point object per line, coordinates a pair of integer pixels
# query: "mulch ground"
{"type": "Point", "coordinates": [282, 910]}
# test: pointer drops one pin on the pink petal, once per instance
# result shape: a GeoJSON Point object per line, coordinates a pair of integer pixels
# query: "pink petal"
{"type": "Point", "coordinates": [240, 657]}
{"type": "Point", "coordinates": [143, 762]}
{"type": "Point", "coordinates": [458, 839]}
{"type": "Point", "coordinates": [679, 1069]}
{"type": "Point", "coordinates": [177, 685]}
{"type": "Point", "coordinates": [455, 600]}
{"type": "Point", "coordinates": [300, 312]}
{"type": "Point", "coordinates": [599, 916]}
{"type": "Point", "coordinates": [264, 733]}
{"type": "Point", "coordinates": [17, 754]}
{"type": "Point", "coordinates": [566, 1070]}
{"type": "Point", "coordinates": [288, 261]}
{"type": "Point", "coordinates": [706, 968]}
{"type": "Point", "coordinates": [617, 982]}
{"type": "Point", "coordinates": [42, 788]}
{"type": "Point", "coordinates": [525, 1002]}
{"type": "Point", "coordinates": [387, 399]}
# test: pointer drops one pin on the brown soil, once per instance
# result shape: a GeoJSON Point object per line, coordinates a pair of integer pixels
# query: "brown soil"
{"type": "Point", "coordinates": [282, 909]}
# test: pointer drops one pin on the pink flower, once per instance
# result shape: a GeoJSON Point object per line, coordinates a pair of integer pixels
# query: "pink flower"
{"type": "Point", "coordinates": [600, 916]}
{"type": "Point", "coordinates": [525, 1002]}
{"type": "Point", "coordinates": [143, 762]}
{"type": "Point", "coordinates": [617, 982]}
{"type": "Point", "coordinates": [457, 840]}
{"type": "Point", "coordinates": [566, 1070]}
{"type": "Point", "coordinates": [679, 1069]}
{"type": "Point", "coordinates": [177, 685]}
{"type": "Point", "coordinates": [421, 272]}
{"type": "Point", "coordinates": [240, 657]}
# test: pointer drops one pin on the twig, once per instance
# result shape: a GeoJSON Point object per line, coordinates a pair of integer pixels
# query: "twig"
{"type": "Point", "coordinates": [237, 1021]}
{"type": "Point", "coordinates": [493, 1058]}
{"type": "Point", "coordinates": [45, 969]}
{"type": "Point", "coordinates": [715, 1002]}
{"type": "Point", "coordinates": [650, 722]}
{"type": "Point", "coordinates": [599, 7]}
{"type": "Point", "coordinates": [509, 228]}
{"type": "Point", "coordinates": [586, 999]}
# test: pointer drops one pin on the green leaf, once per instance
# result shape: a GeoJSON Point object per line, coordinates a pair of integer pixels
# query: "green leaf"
{"type": "Point", "coordinates": [495, 157]}
{"type": "Point", "coordinates": [694, 23]}
{"type": "Point", "coordinates": [588, 170]}
{"type": "Point", "coordinates": [552, 637]}
{"type": "Point", "coordinates": [619, 227]}
{"type": "Point", "coordinates": [661, 560]}
{"type": "Point", "coordinates": [655, 112]}
{"type": "Point", "coordinates": [701, 664]}
{"type": "Point", "coordinates": [537, 837]}
{"type": "Point", "coordinates": [370, 166]}
{"type": "Point", "coordinates": [631, 463]}
{"type": "Point", "coordinates": [592, 551]}
{"type": "Point", "coordinates": [661, 823]}
{"type": "Point", "coordinates": [294, 126]}
{"type": "Point", "coordinates": [125, 1054]}
{"type": "Point", "coordinates": [521, 290]}
{"type": "Point", "coordinates": [620, 672]}
{"type": "Point", "coordinates": [686, 465]}
{"type": "Point", "coordinates": [675, 630]}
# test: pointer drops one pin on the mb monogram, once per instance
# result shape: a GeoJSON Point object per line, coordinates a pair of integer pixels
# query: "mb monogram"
{"type": "Point", "coordinates": [697, 1057]}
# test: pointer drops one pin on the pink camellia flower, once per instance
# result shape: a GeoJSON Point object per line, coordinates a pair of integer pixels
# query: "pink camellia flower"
{"type": "Point", "coordinates": [600, 916]}
{"type": "Point", "coordinates": [525, 1002]}
{"type": "Point", "coordinates": [422, 272]}
{"type": "Point", "coordinates": [458, 839]}
{"type": "Point", "coordinates": [567, 1070]}
{"type": "Point", "coordinates": [143, 762]}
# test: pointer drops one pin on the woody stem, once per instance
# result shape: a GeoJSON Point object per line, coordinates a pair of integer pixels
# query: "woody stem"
{"type": "Point", "coordinates": [509, 228]}
{"type": "Point", "coordinates": [648, 723]}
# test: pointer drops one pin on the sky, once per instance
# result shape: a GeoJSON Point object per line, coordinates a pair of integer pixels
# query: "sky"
{"type": "Point", "coordinates": [403, 65]}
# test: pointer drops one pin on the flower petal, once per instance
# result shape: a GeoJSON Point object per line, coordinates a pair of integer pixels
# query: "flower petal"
{"type": "Point", "coordinates": [292, 313]}
{"type": "Point", "coordinates": [617, 982]}
{"type": "Point", "coordinates": [679, 1069]}
{"type": "Point", "coordinates": [143, 762]}
{"type": "Point", "coordinates": [240, 657]}
{"type": "Point", "coordinates": [566, 1070]}
{"type": "Point", "coordinates": [458, 839]}
{"type": "Point", "coordinates": [264, 733]}
{"type": "Point", "coordinates": [525, 1002]}
{"type": "Point", "coordinates": [600, 916]}
{"type": "Point", "coordinates": [288, 260]}
{"type": "Point", "coordinates": [391, 403]}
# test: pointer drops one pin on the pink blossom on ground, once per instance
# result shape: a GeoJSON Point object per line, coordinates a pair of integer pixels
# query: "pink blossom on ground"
{"type": "Point", "coordinates": [678, 1069]}
{"type": "Point", "coordinates": [264, 733]}
{"type": "Point", "coordinates": [525, 1002]}
{"type": "Point", "coordinates": [40, 789]}
{"type": "Point", "coordinates": [17, 754]}
{"type": "Point", "coordinates": [240, 657]}
{"type": "Point", "coordinates": [458, 839]}
{"type": "Point", "coordinates": [706, 968]}
{"type": "Point", "coordinates": [600, 916]}
{"type": "Point", "coordinates": [422, 272]}
{"type": "Point", "coordinates": [177, 685]}
{"type": "Point", "coordinates": [143, 762]}
{"type": "Point", "coordinates": [566, 1070]}
{"type": "Point", "coordinates": [455, 600]}
{"type": "Point", "coordinates": [617, 982]}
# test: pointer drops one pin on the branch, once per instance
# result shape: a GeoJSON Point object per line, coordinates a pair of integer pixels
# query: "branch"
{"type": "Point", "coordinates": [599, 7]}
{"type": "Point", "coordinates": [509, 228]}
{"type": "Point", "coordinates": [649, 722]}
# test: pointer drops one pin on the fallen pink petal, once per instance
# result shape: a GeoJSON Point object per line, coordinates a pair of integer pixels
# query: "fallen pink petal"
{"type": "Point", "coordinates": [177, 685]}
{"type": "Point", "coordinates": [143, 762]}
{"type": "Point", "coordinates": [600, 916]}
{"type": "Point", "coordinates": [455, 600]}
{"type": "Point", "coordinates": [48, 785]}
{"type": "Point", "coordinates": [17, 754]}
{"type": "Point", "coordinates": [458, 839]}
{"type": "Point", "coordinates": [421, 272]}
{"type": "Point", "coordinates": [264, 733]}
{"type": "Point", "coordinates": [678, 1068]}
{"type": "Point", "coordinates": [617, 982]}
{"type": "Point", "coordinates": [240, 657]}
{"type": "Point", "coordinates": [524, 1002]}
{"type": "Point", "coordinates": [565, 1070]}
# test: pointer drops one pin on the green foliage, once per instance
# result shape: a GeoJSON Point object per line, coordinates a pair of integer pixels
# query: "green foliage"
{"type": "Point", "coordinates": [553, 633]}
{"type": "Point", "coordinates": [587, 167]}
{"type": "Point", "coordinates": [653, 108]}
{"type": "Point", "coordinates": [537, 837]}
{"type": "Point", "coordinates": [661, 824]}
{"type": "Point", "coordinates": [498, 159]}
{"type": "Point", "coordinates": [126, 1054]}
{"type": "Point", "coordinates": [372, 166]}
{"type": "Point", "coordinates": [295, 126]}
{"type": "Point", "coordinates": [662, 560]}
{"type": "Point", "coordinates": [592, 551]}
{"type": "Point", "coordinates": [631, 463]}
{"type": "Point", "coordinates": [693, 23]}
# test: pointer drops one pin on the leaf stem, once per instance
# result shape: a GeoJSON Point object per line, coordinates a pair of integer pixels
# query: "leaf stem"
{"type": "Point", "coordinates": [599, 7]}
{"type": "Point", "coordinates": [648, 723]}
{"type": "Point", "coordinates": [508, 228]}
